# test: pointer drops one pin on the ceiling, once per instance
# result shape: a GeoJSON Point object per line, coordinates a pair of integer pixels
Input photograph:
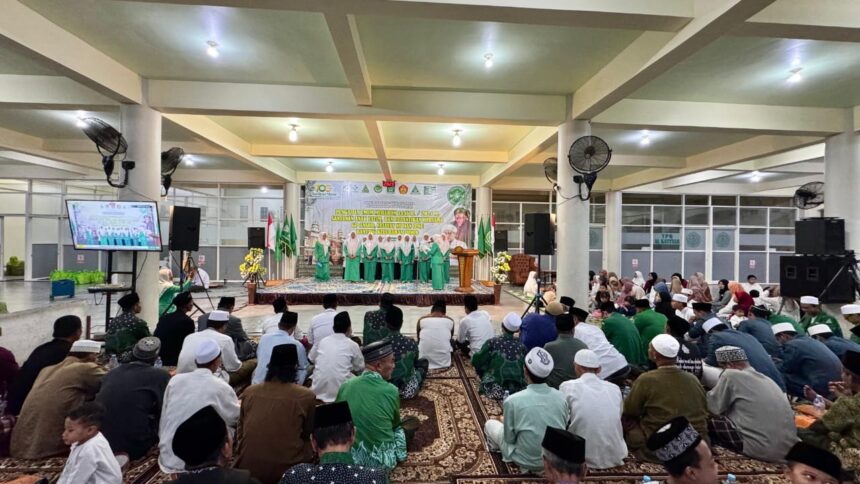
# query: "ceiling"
{"type": "Point", "coordinates": [256, 130]}
{"type": "Point", "coordinates": [482, 137]}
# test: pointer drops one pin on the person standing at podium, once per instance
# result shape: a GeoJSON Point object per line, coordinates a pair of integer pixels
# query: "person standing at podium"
{"type": "Point", "coordinates": [437, 264]}
{"type": "Point", "coordinates": [369, 249]}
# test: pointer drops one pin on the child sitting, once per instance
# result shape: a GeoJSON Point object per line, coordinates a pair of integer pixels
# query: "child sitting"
{"type": "Point", "coordinates": [91, 460]}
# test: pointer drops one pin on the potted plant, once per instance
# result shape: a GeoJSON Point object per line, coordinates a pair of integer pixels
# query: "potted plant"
{"type": "Point", "coordinates": [252, 272]}
{"type": "Point", "coordinates": [499, 272]}
{"type": "Point", "coordinates": [15, 267]}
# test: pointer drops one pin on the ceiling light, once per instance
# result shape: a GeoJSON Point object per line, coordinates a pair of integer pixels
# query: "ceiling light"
{"type": "Point", "coordinates": [293, 135]}
{"type": "Point", "coordinates": [212, 49]}
{"type": "Point", "coordinates": [755, 179]}
{"type": "Point", "coordinates": [441, 170]}
{"type": "Point", "coordinates": [189, 160]}
{"type": "Point", "coordinates": [264, 189]}
{"type": "Point", "coordinates": [646, 140]}
{"type": "Point", "coordinates": [329, 168]}
{"type": "Point", "coordinates": [456, 141]}
{"type": "Point", "coordinates": [488, 60]}
{"type": "Point", "coordinates": [795, 75]}
{"type": "Point", "coordinates": [79, 120]}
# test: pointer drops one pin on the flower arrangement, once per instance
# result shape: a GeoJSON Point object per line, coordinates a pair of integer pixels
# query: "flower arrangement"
{"type": "Point", "coordinates": [252, 269]}
{"type": "Point", "coordinates": [501, 266]}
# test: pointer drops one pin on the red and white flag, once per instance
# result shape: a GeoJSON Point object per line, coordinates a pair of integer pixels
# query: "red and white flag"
{"type": "Point", "coordinates": [270, 233]}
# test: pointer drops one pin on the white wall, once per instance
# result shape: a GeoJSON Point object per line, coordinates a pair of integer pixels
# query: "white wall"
{"type": "Point", "coordinates": [25, 330]}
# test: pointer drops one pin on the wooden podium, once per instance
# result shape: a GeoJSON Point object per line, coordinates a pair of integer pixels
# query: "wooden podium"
{"type": "Point", "coordinates": [465, 257]}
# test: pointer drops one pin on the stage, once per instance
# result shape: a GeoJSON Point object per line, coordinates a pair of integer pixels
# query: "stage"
{"type": "Point", "coordinates": [309, 291]}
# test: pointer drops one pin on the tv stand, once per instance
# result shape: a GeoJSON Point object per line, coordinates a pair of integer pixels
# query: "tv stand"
{"type": "Point", "coordinates": [109, 289]}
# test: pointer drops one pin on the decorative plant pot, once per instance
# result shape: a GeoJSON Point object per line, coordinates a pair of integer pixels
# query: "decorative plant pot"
{"type": "Point", "coordinates": [252, 292]}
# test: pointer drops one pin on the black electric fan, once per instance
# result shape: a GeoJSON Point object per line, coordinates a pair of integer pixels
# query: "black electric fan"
{"type": "Point", "coordinates": [809, 196]}
{"type": "Point", "coordinates": [550, 170]}
{"type": "Point", "coordinates": [110, 144]}
{"type": "Point", "coordinates": [170, 161]}
{"type": "Point", "coordinates": [587, 156]}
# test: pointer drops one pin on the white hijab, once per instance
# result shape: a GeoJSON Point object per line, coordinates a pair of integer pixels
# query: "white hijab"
{"type": "Point", "coordinates": [443, 242]}
{"type": "Point", "coordinates": [638, 280]}
{"type": "Point", "coordinates": [325, 241]}
{"type": "Point", "coordinates": [388, 245]}
{"type": "Point", "coordinates": [406, 245]}
{"type": "Point", "coordinates": [369, 243]}
{"type": "Point", "coordinates": [352, 244]}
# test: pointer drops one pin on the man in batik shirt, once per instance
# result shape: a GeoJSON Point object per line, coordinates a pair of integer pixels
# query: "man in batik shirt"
{"type": "Point", "coordinates": [500, 361]}
{"type": "Point", "coordinates": [409, 372]}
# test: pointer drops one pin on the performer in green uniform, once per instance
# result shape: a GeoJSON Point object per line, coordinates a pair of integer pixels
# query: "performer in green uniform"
{"type": "Point", "coordinates": [386, 256]}
{"type": "Point", "coordinates": [445, 249]}
{"type": "Point", "coordinates": [369, 249]}
{"type": "Point", "coordinates": [352, 258]}
{"type": "Point", "coordinates": [437, 264]}
{"type": "Point", "coordinates": [406, 253]}
{"type": "Point", "coordinates": [814, 314]}
{"type": "Point", "coordinates": [424, 259]}
{"type": "Point", "coordinates": [322, 256]}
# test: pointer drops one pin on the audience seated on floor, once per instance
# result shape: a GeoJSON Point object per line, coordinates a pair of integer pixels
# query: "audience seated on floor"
{"type": "Point", "coordinates": [720, 334]}
{"type": "Point", "coordinates": [375, 328]}
{"type": "Point", "coordinates": [132, 396]}
{"type": "Point", "coordinates": [284, 335]}
{"type": "Point", "coordinates": [322, 324]}
{"type": "Point", "coordinates": [689, 359]}
{"type": "Point", "coordinates": [649, 323]}
{"type": "Point", "coordinates": [435, 335]}
{"type": "Point", "coordinates": [409, 370]}
{"type": "Point", "coordinates": [622, 334]}
{"type": "Point", "coordinates": [476, 327]}
{"type": "Point", "coordinates": [125, 330]}
{"type": "Point", "coordinates": [538, 328]}
{"type": "Point", "coordinates": [595, 412]}
{"type": "Point", "coordinates": [851, 313]}
{"type": "Point", "coordinates": [172, 328]}
{"type": "Point", "coordinates": [564, 456]}
{"type": "Point", "coordinates": [813, 314]}
{"type": "Point", "coordinates": [275, 420]}
{"type": "Point", "coordinates": [217, 325]}
{"type": "Point", "coordinates": [805, 362]}
{"type": "Point", "coordinates": [683, 452]}
{"type": "Point", "coordinates": [837, 344]}
{"type": "Point", "coordinates": [759, 328]}
{"type": "Point", "coordinates": [613, 366]}
{"type": "Point", "coordinates": [186, 394]}
{"type": "Point", "coordinates": [499, 364]}
{"type": "Point", "coordinates": [270, 324]}
{"type": "Point", "coordinates": [809, 464]}
{"type": "Point", "coordinates": [336, 359]}
{"type": "Point", "coordinates": [91, 459]}
{"type": "Point", "coordinates": [246, 349]}
{"type": "Point", "coordinates": [66, 385]}
{"type": "Point", "coordinates": [527, 414]}
{"type": "Point", "coordinates": [563, 350]}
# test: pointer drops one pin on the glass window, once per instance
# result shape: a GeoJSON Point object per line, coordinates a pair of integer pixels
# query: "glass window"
{"type": "Point", "coordinates": [595, 238]}
{"type": "Point", "coordinates": [507, 212]}
{"type": "Point", "coordinates": [667, 215]}
{"type": "Point", "coordinates": [535, 208]}
{"type": "Point", "coordinates": [667, 238]}
{"type": "Point", "coordinates": [635, 215]}
{"type": "Point", "coordinates": [753, 239]}
{"type": "Point", "coordinates": [264, 206]}
{"type": "Point", "coordinates": [782, 240]}
{"type": "Point", "coordinates": [754, 216]}
{"type": "Point", "coordinates": [696, 200]}
{"type": "Point", "coordinates": [12, 203]}
{"type": "Point", "coordinates": [724, 238]}
{"type": "Point", "coordinates": [694, 239]}
{"type": "Point", "coordinates": [636, 238]}
{"type": "Point", "coordinates": [725, 216]}
{"type": "Point", "coordinates": [726, 201]}
{"type": "Point", "coordinates": [237, 208]}
{"type": "Point", "coordinates": [598, 214]}
{"type": "Point", "coordinates": [598, 198]}
{"type": "Point", "coordinates": [765, 202]}
{"type": "Point", "coordinates": [780, 217]}
{"type": "Point", "coordinates": [697, 215]}
{"type": "Point", "coordinates": [650, 199]}
{"type": "Point", "coordinates": [46, 204]}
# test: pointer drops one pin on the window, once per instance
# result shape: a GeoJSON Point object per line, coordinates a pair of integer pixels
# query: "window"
{"type": "Point", "coordinates": [667, 238]}
{"type": "Point", "coordinates": [753, 239]}
{"type": "Point", "coordinates": [754, 216]}
{"type": "Point", "coordinates": [697, 215]}
{"type": "Point", "coordinates": [507, 212]}
{"type": "Point", "coordinates": [668, 215]}
{"type": "Point", "coordinates": [780, 217]}
{"type": "Point", "coordinates": [635, 238]}
{"type": "Point", "coordinates": [635, 215]}
{"type": "Point", "coordinates": [725, 216]}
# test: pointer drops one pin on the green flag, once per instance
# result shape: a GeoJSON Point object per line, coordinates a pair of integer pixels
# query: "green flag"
{"type": "Point", "coordinates": [479, 244]}
{"type": "Point", "coordinates": [488, 237]}
{"type": "Point", "coordinates": [284, 238]}
{"type": "Point", "coordinates": [278, 235]}
{"type": "Point", "coordinates": [293, 239]}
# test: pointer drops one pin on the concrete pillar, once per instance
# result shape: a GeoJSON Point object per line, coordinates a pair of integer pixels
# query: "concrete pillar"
{"type": "Point", "coordinates": [612, 235]}
{"type": "Point", "coordinates": [571, 221]}
{"type": "Point", "coordinates": [292, 207]}
{"type": "Point", "coordinates": [141, 127]}
{"type": "Point", "coordinates": [842, 181]}
{"type": "Point", "coordinates": [483, 210]}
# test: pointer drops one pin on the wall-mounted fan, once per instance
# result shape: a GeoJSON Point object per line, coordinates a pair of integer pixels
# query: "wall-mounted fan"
{"type": "Point", "coordinates": [550, 170]}
{"type": "Point", "coordinates": [170, 160]}
{"type": "Point", "coordinates": [587, 156]}
{"type": "Point", "coordinates": [110, 144]}
{"type": "Point", "coordinates": [809, 195]}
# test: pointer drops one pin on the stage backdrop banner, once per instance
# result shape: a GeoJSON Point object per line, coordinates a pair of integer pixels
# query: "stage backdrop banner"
{"type": "Point", "coordinates": [406, 208]}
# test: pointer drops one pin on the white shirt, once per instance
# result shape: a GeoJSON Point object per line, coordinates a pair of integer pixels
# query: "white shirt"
{"type": "Point", "coordinates": [595, 415]}
{"type": "Point", "coordinates": [686, 314]}
{"type": "Point", "coordinates": [229, 360]}
{"type": "Point", "coordinates": [322, 325]}
{"type": "Point", "coordinates": [752, 287]}
{"type": "Point", "coordinates": [201, 278]}
{"type": "Point", "coordinates": [185, 395]}
{"type": "Point", "coordinates": [92, 462]}
{"type": "Point", "coordinates": [270, 325]}
{"type": "Point", "coordinates": [434, 341]}
{"type": "Point", "coordinates": [476, 328]}
{"type": "Point", "coordinates": [610, 359]}
{"type": "Point", "coordinates": [335, 359]}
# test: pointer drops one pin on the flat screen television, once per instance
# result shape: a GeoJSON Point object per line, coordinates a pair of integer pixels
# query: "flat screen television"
{"type": "Point", "coordinates": [114, 225]}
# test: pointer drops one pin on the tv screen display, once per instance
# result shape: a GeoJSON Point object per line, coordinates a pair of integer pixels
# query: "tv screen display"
{"type": "Point", "coordinates": [114, 225]}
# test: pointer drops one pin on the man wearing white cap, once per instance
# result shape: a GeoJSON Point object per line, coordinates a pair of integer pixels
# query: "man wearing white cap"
{"type": "Point", "coordinates": [58, 389]}
{"type": "Point", "coordinates": [851, 313]}
{"type": "Point", "coordinates": [499, 363]}
{"type": "Point", "coordinates": [527, 414]}
{"type": "Point", "coordinates": [595, 410]}
{"type": "Point", "coordinates": [187, 393]}
{"type": "Point", "coordinates": [839, 346]}
{"type": "Point", "coordinates": [720, 334]}
{"type": "Point", "coordinates": [217, 324]}
{"type": "Point", "coordinates": [813, 314]}
{"type": "Point", "coordinates": [806, 362]}
{"type": "Point", "coordinates": [660, 395]}
{"type": "Point", "coordinates": [679, 304]}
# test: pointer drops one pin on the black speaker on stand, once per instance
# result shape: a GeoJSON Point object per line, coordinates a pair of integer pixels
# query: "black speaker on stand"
{"type": "Point", "coordinates": [500, 243]}
{"type": "Point", "coordinates": [539, 236]}
{"type": "Point", "coordinates": [184, 228]}
{"type": "Point", "coordinates": [256, 238]}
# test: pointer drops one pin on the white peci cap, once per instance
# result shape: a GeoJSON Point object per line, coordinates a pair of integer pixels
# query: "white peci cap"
{"type": "Point", "coordinates": [680, 298]}
{"type": "Point", "coordinates": [666, 345]}
{"type": "Point", "coordinates": [783, 328]}
{"type": "Point", "coordinates": [85, 346]}
{"type": "Point", "coordinates": [809, 300]}
{"type": "Point", "coordinates": [206, 352]}
{"type": "Point", "coordinates": [512, 322]}
{"type": "Point", "coordinates": [711, 324]}
{"type": "Point", "coordinates": [539, 362]}
{"type": "Point", "coordinates": [850, 309]}
{"type": "Point", "coordinates": [819, 329]}
{"type": "Point", "coordinates": [586, 359]}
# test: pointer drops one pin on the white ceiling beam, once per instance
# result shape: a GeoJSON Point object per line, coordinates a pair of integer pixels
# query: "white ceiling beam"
{"type": "Point", "coordinates": [621, 159]}
{"type": "Point", "coordinates": [538, 139]}
{"type": "Point", "coordinates": [344, 33]}
{"type": "Point", "coordinates": [87, 146]}
{"type": "Point", "coordinates": [46, 162]}
{"type": "Point", "coordinates": [24, 30]}
{"type": "Point", "coordinates": [700, 177]}
{"type": "Point", "coordinates": [786, 183]}
{"type": "Point", "coordinates": [26, 170]}
{"type": "Point", "coordinates": [240, 149]}
{"type": "Point", "coordinates": [378, 142]}
{"type": "Point", "coordinates": [49, 92]}
{"type": "Point", "coordinates": [799, 155]}
{"type": "Point", "coordinates": [430, 154]}
{"type": "Point", "coordinates": [535, 183]}
{"type": "Point", "coordinates": [653, 53]}
{"type": "Point", "coordinates": [370, 153]}
{"type": "Point", "coordinates": [709, 117]}
{"type": "Point", "coordinates": [201, 175]}
{"type": "Point", "coordinates": [311, 151]}
{"type": "Point", "coordinates": [237, 99]}
{"type": "Point", "coordinates": [834, 20]}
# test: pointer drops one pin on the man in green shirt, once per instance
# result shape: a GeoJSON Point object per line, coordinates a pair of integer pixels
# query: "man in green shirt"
{"type": "Point", "coordinates": [375, 328]}
{"type": "Point", "coordinates": [562, 350]}
{"type": "Point", "coordinates": [851, 313]}
{"type": "Point", "coordinates": [776, 318]}
{"type": "Point", "coordinates": [409, 372]}
{"type": "Point", "coordinates": [623, 335]}
{"type": "Point", "coordinates": [125, 330]}
{"type": "Point", "coordinates": [648, 322]}
{"type": "Point", "coordinates": [500, 361]}
{"type": "Point", "coordinates": [813, 314]}
{"type": "Point", "coordinates": [660, 395]}
{"type": "Point", "coordinates": [375, 405]}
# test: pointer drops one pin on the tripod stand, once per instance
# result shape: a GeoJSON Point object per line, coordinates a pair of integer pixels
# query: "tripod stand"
{"type": "Point", "coordinates": [187, 260]}
{"type": "Point", "coordinates": [537, 300]}
{"type": "Point", "coordinates": [851, 266]}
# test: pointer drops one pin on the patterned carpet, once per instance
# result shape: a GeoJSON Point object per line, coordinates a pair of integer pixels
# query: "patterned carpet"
{"type": "Point", "coordinates": [449, 446]}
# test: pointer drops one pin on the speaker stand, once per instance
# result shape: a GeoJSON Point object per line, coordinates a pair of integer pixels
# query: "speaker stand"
{"type": "Point", "coordinates": [537, 300]}
{"type": "Point", "coordinates": [850, 265]}
{"type": "Point", "coordinates": [183, 259]}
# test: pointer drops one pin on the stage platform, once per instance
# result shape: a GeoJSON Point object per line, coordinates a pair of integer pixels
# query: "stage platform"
{"type": "Point", "coordinates": [309, 291]}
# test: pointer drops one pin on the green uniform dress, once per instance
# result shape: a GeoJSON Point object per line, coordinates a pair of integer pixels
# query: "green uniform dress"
{"type": "Point", "coordinates": [368, 261]}
{"type": "Point", "coordinates": [375, 407]}
{"type": "Point", "coordinates": [423, 265]}
{"type": "Point", "coordinates": [437, 267]}
{"type": "Point", "coordinates": [499, 363]}
{"type": "Point", "coordinates": [821, 318]}
{"type": "Point", "coordinates": [323, 262]}
{"type": "Point", "coordinates": [387, 259]}
{"type": "Point", "coordinates": [406, 261]}
{"type": "Point", "coordinates": [650, 324]}
{"type": "Point", "coordinates": [624, 336]}
{"type": "Point", "coordinates": [352, 265]}
{"type": "Point", "coordinates": [446, 258]}
{"type": "Point", "coordinates": [165, 300]}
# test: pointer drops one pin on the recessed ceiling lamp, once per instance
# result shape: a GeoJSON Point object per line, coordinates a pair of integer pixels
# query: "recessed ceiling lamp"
{"type": "Point", "coordinates": [488, 60]}
{"type": "Point", "coordinates": [329, 168]}
{"type": "Point", "coordinates": [646, 138]}
{"type": "Point", "coordinates": [79, 122]}
{"type": "Point", "coordinates": [441, 170]}
{"type": "Point", "coordinates": [293, 135]}
{"type": "Point", "coordinates": [756, 177]}
{"type": "Point", "coordinates": [795, 75]}
{"type": "Point", "coordinates": [456, 141]}
{"type": "Point", "coordinates": [212, 49]}
{"type": "Point", "coordinates": [189, 160]}
{"type": "Point", "coordinates": [264, 189]}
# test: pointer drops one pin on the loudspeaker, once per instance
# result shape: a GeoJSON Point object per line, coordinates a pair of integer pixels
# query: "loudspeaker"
{"type": "Point", "coordinates": [500, 242]}
{"type": "Point", "coordinates": [808, 275]}
{"type": "Point", "coordinates": [819, 236]}
{"type": "Point", "coordinates": [184, 228]}
{"type": "Point", "coordinates": [539, 237]}
{"type": "Point", "coordinates": [256, 238]}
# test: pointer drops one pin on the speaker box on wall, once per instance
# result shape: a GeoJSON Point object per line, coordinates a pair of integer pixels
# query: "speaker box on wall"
{"type": "Point", "coordinates": [256, 238]}
{"type": "Point", "coordinates": [539, 236]}
{"type": "Point", "coordinates": [184, 228]}
{"type": "Point", "coordinates": [500, 240]}
{"type": "Point", "coordinates": [819, 236]}
{"type": "Point", "coordinates": [808, 275]}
